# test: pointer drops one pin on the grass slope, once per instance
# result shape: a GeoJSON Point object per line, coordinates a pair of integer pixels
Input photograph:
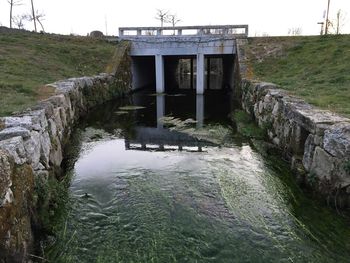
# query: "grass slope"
{"type": "Point", "coordinates": [30, 60]}
{"type": "Point", "coordinates": [315, 68]}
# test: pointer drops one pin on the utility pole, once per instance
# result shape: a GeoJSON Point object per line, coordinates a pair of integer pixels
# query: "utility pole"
{"type": "Point", "coordinates": [327, 21]}
{"type": "Point", "coordinates": [34, 16]}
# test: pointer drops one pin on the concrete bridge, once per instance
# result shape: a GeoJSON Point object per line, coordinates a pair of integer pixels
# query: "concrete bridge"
{"type": "Point", "coordinates": [156, 51]}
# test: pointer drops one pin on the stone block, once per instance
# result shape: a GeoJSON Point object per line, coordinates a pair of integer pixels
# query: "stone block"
{"type": "Point", "coordinates": [46, 106]}
{"type": "Point", "coordinates": [39, 120]}
{"type": "Point", "coordinates": [322, 164]}
{"type": "Point", "coordinates": [15, 148]}
{"type": "Point", "coordinates": [309, 149]}
{"type": "Point", "coordinates": [336, 140]}
{"type": "Point", "coordinates": [32, 147]}
{"type": "Point", "coordinates": [14, 132]}
{"type": "Point", "coordinates": [5, 176]}
{"type": "Point", "coordinates": [45, 143]}
{"type": "Point", "coordinates": [24, 122]}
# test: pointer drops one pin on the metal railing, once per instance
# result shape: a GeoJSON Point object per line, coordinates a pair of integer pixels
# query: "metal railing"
{"type": "Point", "coordinates": [180, 31]}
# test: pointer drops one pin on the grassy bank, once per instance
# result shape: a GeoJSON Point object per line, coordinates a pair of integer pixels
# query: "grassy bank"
{"type": "Point", "coordinates": [30, 60]}
{"type": "Point", "coordinates": [315, 68]}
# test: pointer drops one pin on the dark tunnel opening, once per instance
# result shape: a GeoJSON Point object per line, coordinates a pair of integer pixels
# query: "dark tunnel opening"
{"type": "Point", "coordinates": [180, 72]}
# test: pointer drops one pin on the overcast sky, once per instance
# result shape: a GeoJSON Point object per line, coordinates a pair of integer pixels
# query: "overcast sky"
{"type": "Point", "coordinates": [272, 17]}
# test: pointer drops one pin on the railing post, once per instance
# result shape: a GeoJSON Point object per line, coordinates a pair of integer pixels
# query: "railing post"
{"type": "Point", "coordinates": [178, 31]}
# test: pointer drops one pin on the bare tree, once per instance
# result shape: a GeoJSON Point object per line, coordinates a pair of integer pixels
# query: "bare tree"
{"type": "Point", "coordinates": [339, 22]}
{"type": "Point", "coordinates": [173, 20]}
{"type": "Point", "coordinates": [19, 21]}
{"type": "Point", "coordinates": [327, 20]}
{"type": "Point", "coordinates": [295, 31]}
{"type": "Point", "coordinates": [33, 16]}
{"type": "Point", "coordinates": [38, 17]}
{"type": "Point", "coordinates": [12, 4]}
{"type": "Point", "coordinates": [162, 16]}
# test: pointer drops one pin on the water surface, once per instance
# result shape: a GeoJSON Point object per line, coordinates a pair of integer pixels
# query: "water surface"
{"type": "Point", "coordinates": [141, 192]}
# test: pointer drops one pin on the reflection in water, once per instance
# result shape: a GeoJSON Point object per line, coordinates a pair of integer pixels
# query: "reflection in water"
{"type": "Point", "coordinates": [160, 110]}
{"type": "Point", "coordinates": [200, 110]}
{"type": "Point", "coordinates": [130, 202]}
{"type": "Point", "coordinates": [160, 138]}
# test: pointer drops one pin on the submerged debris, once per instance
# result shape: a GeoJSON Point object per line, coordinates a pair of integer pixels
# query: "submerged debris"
{"type": "Point", "coordinates": [131, 107]}
{"type": "Point", "coordinates": [121, 112]}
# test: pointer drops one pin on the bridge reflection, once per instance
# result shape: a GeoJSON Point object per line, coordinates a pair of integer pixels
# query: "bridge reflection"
{"type": "Point", "coordinates": [160, 138]}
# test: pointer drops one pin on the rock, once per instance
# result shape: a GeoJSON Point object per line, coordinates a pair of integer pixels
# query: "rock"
{"type": "Point", "coordinates": [58, 101]}
{"type": "Point", "coordinates": [14, 132]}
{"type": "Point", "coordinates": [341, 175]}
{"type": "Point", "coordinates": [276, 109]}
{"type": "Point", "coordinates": [46, 106]}
{"type": "Point", "coordinates": [24, 122]}
{"type": "Point", "coordinates": [5, 176]}
{"type": "Point", "coordinates": [32, 147]}
{"type": "Point", "coordinates": [45, 149]}
{"type": "Point", "coordinates": [56, 154]}
{"type": "Point", "coordinates": [52, 128]}
{"type": "Point", "coordinates": [308, 152]}
{"type": "Point", "coordinates": [7, 199]}
{"type": "Point", "coordinates": [336, 140]}
{"type": "Point", "coordinates": [322, 164]}
{"type": "Point", "coordinates": [38, 119]}
{"type": "Point", "coordinates": [15, 148]}
{"type": "Point", "coordinates": [307, 116]}
{"type": "Point", "coordinates": [276, 141]}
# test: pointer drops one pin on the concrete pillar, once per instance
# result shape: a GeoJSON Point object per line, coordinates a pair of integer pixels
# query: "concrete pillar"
{"type": "Point", "coordinates": [159, 74]}
{"type": "Point", "coordinates": [160, 110]}
{"type": "Point", "coordinates": [200, 73]}
{"type": "Point", "coordinates": [200, 110]}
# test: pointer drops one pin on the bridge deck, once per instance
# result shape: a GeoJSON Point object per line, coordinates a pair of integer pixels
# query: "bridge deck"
{"type": "Point", "coordinates": [237, 31]}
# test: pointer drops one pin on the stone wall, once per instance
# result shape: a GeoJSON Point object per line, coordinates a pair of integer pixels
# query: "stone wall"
{"type": "Point", "coordinates": [32, 145]}
{"type": "Point", "coordinates": [316, 142]}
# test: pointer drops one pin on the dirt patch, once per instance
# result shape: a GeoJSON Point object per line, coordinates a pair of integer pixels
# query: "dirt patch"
{"type": "Point", "coordinates": [44, 92]}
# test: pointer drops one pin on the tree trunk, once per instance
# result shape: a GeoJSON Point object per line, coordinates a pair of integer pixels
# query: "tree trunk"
{"type": "Point", "coordinates": [42, 27]}
{"type": "Point", "coordinates": [11, 6]}
{"type": "Point", "coordinates": [34, 17]}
